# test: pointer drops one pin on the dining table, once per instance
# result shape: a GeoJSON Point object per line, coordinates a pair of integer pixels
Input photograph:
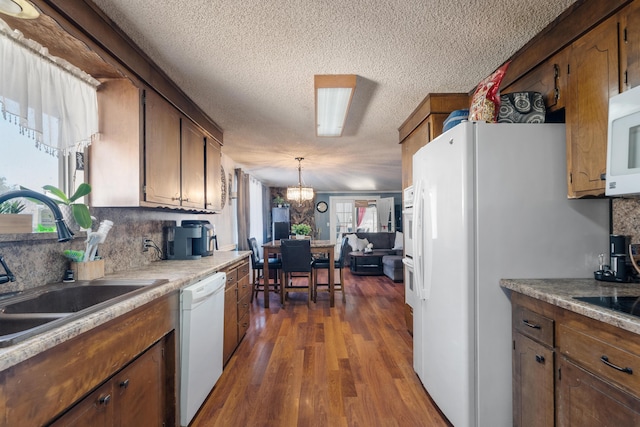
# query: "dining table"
{"type": "Point", "coordinates": [317, 247]}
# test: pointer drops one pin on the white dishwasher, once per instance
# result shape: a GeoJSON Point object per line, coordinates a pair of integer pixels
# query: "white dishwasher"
{"type": "Point", "coordinates": [201, 341]}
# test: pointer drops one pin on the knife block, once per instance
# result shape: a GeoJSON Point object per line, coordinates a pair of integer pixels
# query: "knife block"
{"type": "Point", "coordinates": [88, 270]}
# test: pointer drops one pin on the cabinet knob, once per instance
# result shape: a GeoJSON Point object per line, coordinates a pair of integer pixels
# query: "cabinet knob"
{"type": "Point", "coordinates": [104, 400]}
{"type": "Point", "coordinates": [125, 383]}
{"type": "Point", "coordinates": [539, 358]}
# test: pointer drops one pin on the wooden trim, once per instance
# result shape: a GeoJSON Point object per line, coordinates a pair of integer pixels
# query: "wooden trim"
{"type": "Point", "coordinates": [443, 103]}
{"type": "Point", "coordinates": [566, 28]}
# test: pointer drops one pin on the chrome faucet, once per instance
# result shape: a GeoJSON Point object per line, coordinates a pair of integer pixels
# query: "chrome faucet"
{"type": "Point", "coordinates": [64, 233]}
{"type": "Point", "coordinates": [8, 277]}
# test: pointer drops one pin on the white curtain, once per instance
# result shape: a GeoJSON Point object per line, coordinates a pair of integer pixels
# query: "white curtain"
{"type": "Point", "coordinates": [256, 224]}
{"type": "Point", "coordinates": [52, 101]}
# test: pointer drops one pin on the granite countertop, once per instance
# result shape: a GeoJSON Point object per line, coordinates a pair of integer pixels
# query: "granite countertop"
{"type": "Point", "coordinates": [178, 274]}
{"type": "Point", "coordinates": [560, 292]}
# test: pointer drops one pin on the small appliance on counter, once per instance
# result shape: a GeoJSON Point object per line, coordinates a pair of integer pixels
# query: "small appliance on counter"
{"type": "Point", "coordinates": [201, 245]}
{"type": "Point", "coordinates": [191, 240]}
{"type": "Point", "coordinates": [621, 268]}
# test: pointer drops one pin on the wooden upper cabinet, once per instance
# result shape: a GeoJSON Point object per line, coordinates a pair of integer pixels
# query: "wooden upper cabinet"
{"type": "Point", "coordinates": [592, 80]}
{"type": "Point", "coordinates": [192, 166]}
{"type": "Point", "coordinates": [424, 124]}
{"type": "Point", "coordinates": [630, 46]}
{"type": "Point", "coordinates": [162, 151]}
{"type": "Point", "coordinates": [149, 153]}
{"type": "Point", "coordinates": [213, 177]}
{"type": "Point", "coordinates": [548, 78]}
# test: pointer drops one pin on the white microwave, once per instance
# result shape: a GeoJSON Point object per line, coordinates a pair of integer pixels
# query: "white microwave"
{"type": "Point", "coordinates": [623, 144]}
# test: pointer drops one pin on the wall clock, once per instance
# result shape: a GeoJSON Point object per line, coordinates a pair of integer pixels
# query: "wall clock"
{"type": "Point", "coordinates": [321, 207]}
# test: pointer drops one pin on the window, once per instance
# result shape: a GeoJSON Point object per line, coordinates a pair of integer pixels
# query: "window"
{"type": "Point", "coordinates": [50, 113]}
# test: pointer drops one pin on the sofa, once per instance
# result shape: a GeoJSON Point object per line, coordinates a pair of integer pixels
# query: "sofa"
{"type": "Point", "coordinates": [389, 245]}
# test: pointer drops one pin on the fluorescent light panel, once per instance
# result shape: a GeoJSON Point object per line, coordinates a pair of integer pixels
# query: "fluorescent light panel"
{"type": "Point", "coordinates": [333, 98]}
{"type": "Point", "coordinates": [18, 9]}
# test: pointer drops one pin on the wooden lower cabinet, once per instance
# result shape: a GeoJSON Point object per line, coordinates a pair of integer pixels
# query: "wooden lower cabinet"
{"type": "Point", "coordinates": [533, 376]}
{"type": "Point", "coordinates": [585, 400]}
{"type": "Point", "coordinates": [570, 370]}
{"type": "Point", "coordinates": [236, 306]}
{"type": "Point", "coordinates": [121, 373]}
{"type": "Point", "coordinates": [133, 397]}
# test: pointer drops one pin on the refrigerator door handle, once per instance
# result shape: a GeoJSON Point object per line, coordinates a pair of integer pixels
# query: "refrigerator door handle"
{"type": "Point", "coordinates": [427, 235]}
{"type": "Point", "coordinates": [418, 240]}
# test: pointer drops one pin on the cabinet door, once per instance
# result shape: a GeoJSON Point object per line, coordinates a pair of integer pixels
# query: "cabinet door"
{"type": "Point", "coordinates": [96, 410]}
{"type": "Point", "coordinates": [213, 176]}
{"type": "Point", "coordinates": [192, 166]}
{"type": "Point", "coordinates": [161, 151]}
{"type": "Point", "coordinates": [140, 390]}
{"type": "Point", "coordinates": [587, 401]}
{"type": "Point", "coordinates": [630, 46]}
{"type": "Point", "coordinates": [230, 321]}
{"type": "Point", "coordinates": [533, 375]}
{"type": "Point", "coordinates": [592, 79]}
{"type": "Point", "coordinates": [548, 78]}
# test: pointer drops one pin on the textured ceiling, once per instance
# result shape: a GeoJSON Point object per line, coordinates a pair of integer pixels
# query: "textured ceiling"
{"type": "Point", "coordinates": [249, 65]}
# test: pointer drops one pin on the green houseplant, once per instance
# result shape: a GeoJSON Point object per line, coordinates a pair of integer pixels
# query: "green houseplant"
{"type": "Point", "coordinates": [11, 220]}
{"type": "Point", "coordinates": [278, 201]}
{"type": "Point", "coordinates": [11, 207]}
{"type": "Point", "coordinates": [301, 229]}
{"type": "Point", "coordinates": [79, 211]}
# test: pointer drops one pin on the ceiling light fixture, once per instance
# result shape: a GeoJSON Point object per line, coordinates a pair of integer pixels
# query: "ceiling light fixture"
{"type": "Point", "coordinates": [333, 98]}
{"type": "Point", "coordinates": [19, 9]}
{"type": "Point", "coordinates": [300, 193]}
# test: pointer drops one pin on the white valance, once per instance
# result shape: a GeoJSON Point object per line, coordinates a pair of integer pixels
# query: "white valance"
{"type": "Point", "coordinates": [51, 100]}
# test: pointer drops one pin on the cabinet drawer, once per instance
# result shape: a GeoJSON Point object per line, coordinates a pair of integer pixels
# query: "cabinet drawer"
{"type": "Point", "coordinates": [534, 325]}
{"type": "Point", "coordinates": [243, 306]}
{"type": "Point", "coordinates": [244, 288]}
{"type": "Point", "coordinates": [610, 362]}
{"type": "Point", "coordinates": [232, 277]}
{"type": "Point", "coordinates": [243, 325]}
{"type": "Point", "coordinates": [243, 270]}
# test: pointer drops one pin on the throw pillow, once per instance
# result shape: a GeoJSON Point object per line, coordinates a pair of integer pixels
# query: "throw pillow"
{"type": "Point", "coordinates": [398, 245]}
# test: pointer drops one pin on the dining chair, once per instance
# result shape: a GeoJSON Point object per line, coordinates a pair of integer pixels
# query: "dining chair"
{"type": "Point", "coordinates": [296, 258]}
{"type": "Point", "coordinates": [323, 263]}
{"type": "Point", "coordinates": [257, 265]}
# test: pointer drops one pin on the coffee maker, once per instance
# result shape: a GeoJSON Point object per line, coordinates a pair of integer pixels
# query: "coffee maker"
{"type": "Point", "coordinates": [202, 244]}
{"type": "Point", "coordinates": [620, 268]}
{"type": "Point", "coordinates": [180, 242]}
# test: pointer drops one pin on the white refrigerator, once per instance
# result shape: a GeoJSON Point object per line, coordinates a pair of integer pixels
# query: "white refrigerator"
{"type": "Point", "coordinates": [490, 202]}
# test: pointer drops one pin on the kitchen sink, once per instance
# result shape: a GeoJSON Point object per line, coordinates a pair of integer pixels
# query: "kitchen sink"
{"type": "Point", "coordinates": [10, 326]}
{"type": "Point", "coordinates": [42, 309]}
{"type": "Point", "coordinates": [68, 300]}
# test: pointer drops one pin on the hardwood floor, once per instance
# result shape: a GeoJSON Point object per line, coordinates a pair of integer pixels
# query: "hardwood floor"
{"type": "Point", "coordinates": [350, 365]}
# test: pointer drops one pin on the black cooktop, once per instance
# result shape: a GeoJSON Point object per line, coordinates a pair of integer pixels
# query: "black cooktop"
{"type": "Point", "coordinates": [629, 305]}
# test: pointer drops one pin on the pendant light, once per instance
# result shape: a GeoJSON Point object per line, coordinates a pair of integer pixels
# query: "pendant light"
{"type": "Point", "coordinates": [299, 192]}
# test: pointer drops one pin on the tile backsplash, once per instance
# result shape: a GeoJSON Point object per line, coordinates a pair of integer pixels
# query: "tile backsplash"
{"type": "Point", "coordinates": [626, 218]}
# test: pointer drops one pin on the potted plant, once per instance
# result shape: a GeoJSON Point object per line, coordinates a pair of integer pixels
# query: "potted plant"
{"type": "Point", "coordinates": [11, 220]}
{"type": "Point", "coordinates": [301, 230]}
{"type": "Point", "coordinates": [78, 211]}
{"type": "Point", "coordinates": [278, 201]}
